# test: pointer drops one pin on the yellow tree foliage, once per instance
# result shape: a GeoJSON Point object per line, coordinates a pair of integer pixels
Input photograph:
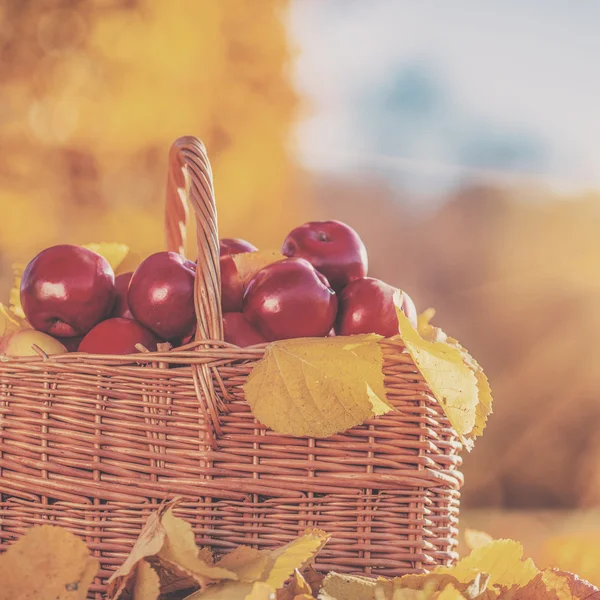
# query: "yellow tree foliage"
{"type": "Point", "coordinates": [95, 92]}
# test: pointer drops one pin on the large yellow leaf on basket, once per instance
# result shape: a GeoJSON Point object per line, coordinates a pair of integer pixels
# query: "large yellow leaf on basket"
{"type": "Point", "coordinates": [318, 387]}
{"type": "Point", "coordinates": [451, 381]}
{"type": "Point", "coordinates": [431, 333]}
{"type": "Point", "coordinates": [47, 562]}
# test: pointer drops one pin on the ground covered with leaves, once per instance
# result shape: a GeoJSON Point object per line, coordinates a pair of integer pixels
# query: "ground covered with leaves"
{"type": "Point", "coordinates": [51, 563]}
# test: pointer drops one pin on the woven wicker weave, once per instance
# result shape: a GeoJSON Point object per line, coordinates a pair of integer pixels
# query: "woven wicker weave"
{"type": "Point", "coordinates": [93, 443]}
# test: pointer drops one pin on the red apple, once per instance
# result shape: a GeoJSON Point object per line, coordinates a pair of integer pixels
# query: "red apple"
{"type": "Point", "coordinates": [121, 308]}
{"type": "Point", "coordinates": [161, 295]}
{"type": "Point", "coordinates": [290, 299]}
{"type": "Point", "coordinates": [333, 248]}
{"type": "Point", "coordinates": [239, 332]}
{"type": "Point", "coordinates": [66, 290]}
{"type": "Point", "coordinates": [117, 336]}
{"type": "Point", "coordinates": [235, 246]}
{"type": "Point", "coordinates": [368, 305]}
{"type": "Point", "coordinates": [232, 286]}
{"type": "Point", "coordinates": [72, 343]}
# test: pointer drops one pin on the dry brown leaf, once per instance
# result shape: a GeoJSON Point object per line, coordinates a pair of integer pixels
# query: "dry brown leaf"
{"type": "Point", "coordinates": [318, 387]}
{"type": "Point", "coordinates": [337, 586]}
{"type": "Point", "coordinates": [577, 587]}
{"type": "Point", "coordinates": [313, 578]}
{"type": "Point", "coordinates": [47, 562]}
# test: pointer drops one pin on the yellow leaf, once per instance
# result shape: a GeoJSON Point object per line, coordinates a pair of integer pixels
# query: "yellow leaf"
{"type": "Point", "coordinates": [476, 539]}
{"type": "Point", "coordinates": [501, 560]}
{"type": "Point", "coordinates": [113, 252]}
{"type": "Point", "coordinates": [432, 584]}
{"type": "Point", "coordinates": [147, 582]}
{"type": "Point", "coordinates": [181, 551]}
{"type": "Point", "coordinates": [426, 330]}
{"type": "Point", "coordinates": [247, 563]}
{"type": "Point", "coordinates": [47, 562]}
{"type": "Point", "coordinates": [294, 555]}
{"type": "Point", "coordinates": [274, 566]}
{"type": "Point", "coordinates": [318, 387]}
{"type": "Point", "coordinates": [337, 586]}
{"type": "Point", "coordinates": [450, 593]}
{"type": "Point", "coordinates": [248, 264]}
{"type": "Point", "coordinates": [452, 382]}
{"type": "Point", "coordinates": [235, 591]}
{"type": "Point", "coordinates": [149, 543]}
{"type": "Point", "coordinates": [9, 322]}
{"type": "Point", "coordinates": [15, 292]}
{"type": "Point", "coordinates": [484, 392]}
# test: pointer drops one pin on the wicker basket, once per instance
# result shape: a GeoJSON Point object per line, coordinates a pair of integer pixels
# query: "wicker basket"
{"type": "Point", "coordinates": [94, 443]}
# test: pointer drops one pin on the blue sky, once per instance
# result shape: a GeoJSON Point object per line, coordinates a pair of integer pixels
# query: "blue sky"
{"type": "Point", "coordinates": [427, 92]}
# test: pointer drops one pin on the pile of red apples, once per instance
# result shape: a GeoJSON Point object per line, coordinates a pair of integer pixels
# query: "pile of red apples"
{"type": "Point", "coordinates": [319, 289]}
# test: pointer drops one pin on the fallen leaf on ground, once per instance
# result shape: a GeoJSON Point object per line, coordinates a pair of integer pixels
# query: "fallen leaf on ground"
{"type": "Point", "coordinates": [47, 562]}
{"type": "Point", "coordinates": [274, 566]}
{"type": "Point", "coordinates": [168, 543]}
{"type": "Point", "coordinates": [318, 387]}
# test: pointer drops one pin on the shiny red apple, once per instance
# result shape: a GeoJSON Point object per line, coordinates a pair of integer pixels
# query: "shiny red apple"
{"type": "Point", "coordinates": [66, 290]}
{"type": "Point", "coordinates": [121, 308]}
{"type": "Point", "coordinates": [232, 286]}
{"type": "Point", "coordinates": [161, 295]}
{"type": "Point", "coordinates": [290, 299]}
{"type": "Point", "coordinates": [368, 305]}
{"type": "Point", "coordinates": [117, 336]}
{"type": "Point", "coordinates": [235, 246]}
{"type": "Point", "coordinates": [332, 247]}
{"type": "Point", "coordinates": [239, 332]}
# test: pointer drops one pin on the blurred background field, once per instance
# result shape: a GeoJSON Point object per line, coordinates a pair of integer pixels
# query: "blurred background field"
{"type": "Point", "coordinates": [461, 141]}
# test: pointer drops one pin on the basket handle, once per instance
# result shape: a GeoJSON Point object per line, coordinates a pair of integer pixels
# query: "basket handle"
{"type": "Point", "coordinates": [190, 182]}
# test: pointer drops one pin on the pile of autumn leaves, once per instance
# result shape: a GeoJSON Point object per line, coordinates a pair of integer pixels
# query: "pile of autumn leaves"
{"type": "Point", "coordinates": [165, 563]}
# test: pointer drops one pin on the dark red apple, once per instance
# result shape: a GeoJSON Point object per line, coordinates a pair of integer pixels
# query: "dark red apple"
{"type": "Point", "coordinates": [72, 343]}
{"type": "Point", "coordinates": [235, 246]}
{"type": "Point", "coordinates": [232, 286]}
{"type": "Point", "coordinates": [121, 308]}
{"type": "Point", "coordinates": [239, 332]}
{"type": "Point", "coordinates": [368, 305]}
{"type": "Point", "coordinates": [332, 247]}
{"type": "Point", "coordinates": [66, 290]}
{"type": "Point", "coordinates": [161, 295]}
{"type": "Point", "coordinates": [117, 336]}
{"type": "Point", "coordinates": [290, 299]}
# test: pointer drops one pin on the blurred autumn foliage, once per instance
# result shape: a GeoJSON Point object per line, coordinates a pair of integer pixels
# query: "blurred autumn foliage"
{"type": "Point", "coordinates": [513, 273]}
{"type": "Point", "coordinates": [94, 92]}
